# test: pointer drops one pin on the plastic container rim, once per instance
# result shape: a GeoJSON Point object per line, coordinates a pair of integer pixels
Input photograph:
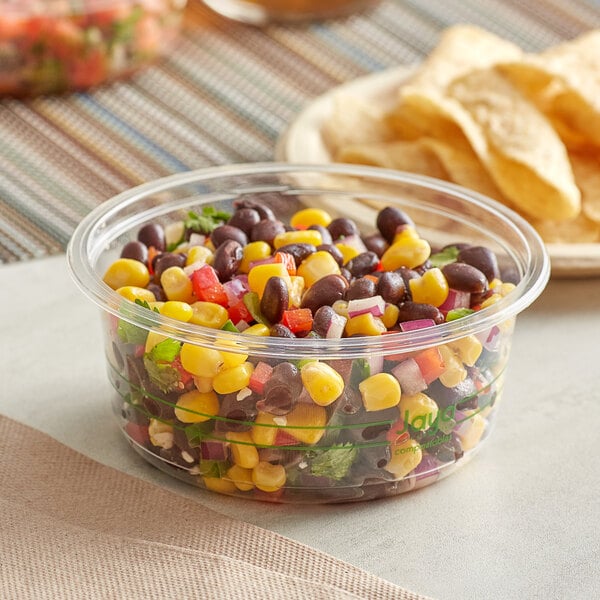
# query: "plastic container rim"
{"type": "Point", "coordinates": [536, 270]}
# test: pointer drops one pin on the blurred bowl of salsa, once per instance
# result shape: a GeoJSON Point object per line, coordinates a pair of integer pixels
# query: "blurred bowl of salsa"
{"type": "Point", "coordinates": [53, 46]}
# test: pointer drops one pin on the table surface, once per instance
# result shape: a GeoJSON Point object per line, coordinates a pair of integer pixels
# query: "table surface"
{"type": "Point", "coordinates": [521, 520]}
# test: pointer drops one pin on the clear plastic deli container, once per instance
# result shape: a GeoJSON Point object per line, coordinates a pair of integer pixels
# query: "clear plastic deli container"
{"type": "Point", "coordinates": [354, 350]}
{"type": "Point", "coordinates": [49, 46]}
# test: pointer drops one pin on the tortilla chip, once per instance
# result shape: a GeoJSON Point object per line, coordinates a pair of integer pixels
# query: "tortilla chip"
{"type": "Point", "coordinates": [353, 121]}
{"type": "Point", "coordinates": [413, 157]}
{"type": "Point", "coordinates": [464, 168]}
{"type": "Point", "coordinates": [587, 176]}
{"type": "Point", "coordinates": [517, 144]}
{"type": "Point", "coordinates": [580, 230]}
{"type": "Point", "coordinates": [573, 68]}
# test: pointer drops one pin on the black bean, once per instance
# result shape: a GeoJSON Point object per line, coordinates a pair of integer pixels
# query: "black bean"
{"type": "Point", "coordinates": [228, 232]}
{"type": "Point", "coordinates": [263, 211]}
{"type": "Point", "coordinates": [410, 311]}
{"type": "Point", "coordinates": [281, 390]}
{"type": "Point", "coordinates": [325, 235]}
{"type": "Point", "coordinates": [375, 243]}
{"type": "Point", "coordinates": [158, 292]}
{"type": "Point", "coordinates": [236, 411]}
{"type": "Point", "coordinates": [342, 227]}
{"type": "Point", "coordinates": [465, 278]}
{"type": "Point", "coordinates": [136, 251]}
{"type": "Point", "coordinates": [388, 221]}
{"type": "Point", "coordinates": [407, 274]}
{"type": "Point", "coordinates": [326, 290]}
{"type": "Point", "coordinates": [391, 287]}
{"type": "Point", "coordinates": [363, 264]}
{"type": "Point", "coordinates": [279, 330]}
{"type": "Point", "coordinates": [153, 235]}
{"type": "Point", "coordinates": [227, 259]}
{"type": "Point", "coordinates": [266, 230]}
{"type": "Point", "coordinates": [244, 219]}
{"type": "Point", "coordinates": [166, 260]}
{"type": "Point", "coordinates": [361, 288]}
{"type": "Point", "coordinates": [334, 251]}
{"type": "Point", "coordinates": [298, 251]}
{"type": "Point", "coordinates": [322, 320]}
{"type": "Point", "coordinates": [275, 299]}
{"type": "Point", "coordinates": [481, 258]}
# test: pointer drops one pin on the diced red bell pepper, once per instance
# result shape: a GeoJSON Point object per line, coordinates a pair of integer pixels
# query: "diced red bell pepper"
{"type": "Point", "coordinates": [431, 364]}
{"type": "Point", "coordinates": [239, 312]}
{"type": "Point", "coordinates": [184, 375]}
{"type": "Point", "coordinates": [283, 438]}
{"type": "Point", "coordinates": [397, 433]}
{"type": "Point", "coordinates": [207, 287]}
{"type": "Point", "coordinates": [261, 374]}
{"type": "Point", "coordinates": [288, 260]}
{"type": "Point", "coordinates": [298, 319]}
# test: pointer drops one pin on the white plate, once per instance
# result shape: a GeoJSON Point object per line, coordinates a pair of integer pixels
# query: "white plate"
{"type": "Point", "coordinates": [302, 142]}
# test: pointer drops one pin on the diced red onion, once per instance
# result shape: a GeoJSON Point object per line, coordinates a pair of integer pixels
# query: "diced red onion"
{"type": "Point", "coordinates": [416, 324]}
{"type": "Point", "coordinates": [336, 327]}
{"type": "Point", "coordinates": [360, 306]}
{"type": "Point", "coordinates": [375, 363]}
{"type": "Point", "coordinates": [235, 288]}
{"type": "Point", "coordinates": [196, 239]}
{"type": "Point", "coordinates": [455, 299]}
{"type": "Point", "coordinates": [409, 376]}
{"type": "Point", "coordinates": [212, 450]}
{"type": "Point", "coordinates": [490, 339]}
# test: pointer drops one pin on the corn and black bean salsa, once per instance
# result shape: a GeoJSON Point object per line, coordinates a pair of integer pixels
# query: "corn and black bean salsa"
{"type": "Point", "coordinates": [313, 429]}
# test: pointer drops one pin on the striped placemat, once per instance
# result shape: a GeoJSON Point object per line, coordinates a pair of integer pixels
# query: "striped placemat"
{"type": "Point", "coordinates": [224, 95]}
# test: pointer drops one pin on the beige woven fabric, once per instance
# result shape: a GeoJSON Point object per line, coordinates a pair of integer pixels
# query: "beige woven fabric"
{"type": "Point", "coordinates": [73, 528]}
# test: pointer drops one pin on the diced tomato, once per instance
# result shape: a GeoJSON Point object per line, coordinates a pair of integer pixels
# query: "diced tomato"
{"type": "Point", "coordinates": [185, 376]}
{"type": "Point", "coordinates": [138, 433]}
{"type": "Point", "coordinates": [152, 254]}
{"type": "Point", "coordinates": [207, 287]}
{"type": "Point", "coordinates": [430, 364]}
{"type": "Point", "coordinates": [396, 433]}
{"type": "Point", "coordinates": [283, 438]}
{"type": "Point", "coordinates": [288, 260]}
{"type": "Point", "coordinates": [261, 374]}
{"type": "Point", "coordinates": [88, 70]}
{"type": "Point", "coordinates": [298, 319]}
{"type": "Point", "coordinates": [239, 312]}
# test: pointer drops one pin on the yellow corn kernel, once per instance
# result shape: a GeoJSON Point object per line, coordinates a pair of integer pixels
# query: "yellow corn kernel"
{"type": "Point", "coordinates": [419, 410]}
{"type": "Point", "coordinates": [317, 265]}
{"type": "Point", "coordinates": [348, 252]}
{"type": "Point", "coordinates": [154, 338]}
{"type": "Point", "coordinates": [264, 431]}
{"type": "Point", "coordinates": [296, 289]}
{"type": "Point", "coordinates": [155, 305]}
{"type": "Point", "coordinates": [133, 293]}
{"type": "Point", "coordinates": [260, 274]}
{"type": "Point", "coordinates": [234, 379]}
{"type": "Point", "coordinates": [203, 384]}
{"type": "Point", "coordinates": [454, 372]}
{"type": "Point", "coordinates": [491, 300]}
{"type": "Point", "coordinates": [468, 349]}
{"type": "Point", "coordinates": [407, 232]}
{"type": "Point", "coordinates": [306, 422]}
{"type": "Point", "coordinates": [268, 477]}
{"type": "Point", "coordinates": [243, 450]}
{"type": "Point", "coordinates": [198, 254]}
{"type": "Point", "coordinates": [258, 329]}
{"type": "Point", "coordinates": [495, 283]}
{"type": "Point", "coordinates": [306, 236]}
{"type": "Point", "coordinates": [390, 315]}
{"type": "Point", "coordinates": [253, 251]}
{"type": "Point", "coordinates": [203, 362]}
{"type": "Point", "coordinates": [341, 308]}
{"type": "Point", "coordinates": [177, 285]}
{"type": "Point", "coordinates": [160, 434]}
{"type": "Point", "coordinates": [379, 391]}
{"type": "Point", "coordinates": [241, 478]}
{"type": "Point", "coordinates": [407, 252]}
{"type": "Point", "coordinates": [231, 359]}
{"type": "Point", "coordinates": [175, 309]}
{"type": "Point", "coordinates": [217, 484]}
{"type": "Point", "coordinates": [430, 288]}
{"type": "Point", "coordinates": [126, 271]}
{"type": "Point", "coordinates": [209, 314]}
{"type": "Point", "coordinates": [365, 324]}
{"type": "Point", "coordinates": [406, 456]}
{"type": "Point", "coordinates": [470, 431]}
{"type": "Point", "coordinates": [505, 289]}
{"type": "Point", "coordinates": [196, 407]}
{"type": "Point", "coordinates": [306, 217]}
{"type": "Point", "coordinates": [322, 382]}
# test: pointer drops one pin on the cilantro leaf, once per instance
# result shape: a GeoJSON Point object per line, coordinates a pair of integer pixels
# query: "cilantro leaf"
{"type": "Point", "coordinates": [458, 313]}
{"type": "Point", "coordinates": [445, 257]}
{"type": "Point", "coordinates": [158, 365]}
{"type": "Point", "coordinates": [165, 351]}
{"type": "Point", "coordinates": [206, 222]}
{"type": "Point", "coordinates": [361, 369]}
{"type": "Point", "coordinates": [334, 462]}
{"type": "Point", "coordinates": [130, 333]}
